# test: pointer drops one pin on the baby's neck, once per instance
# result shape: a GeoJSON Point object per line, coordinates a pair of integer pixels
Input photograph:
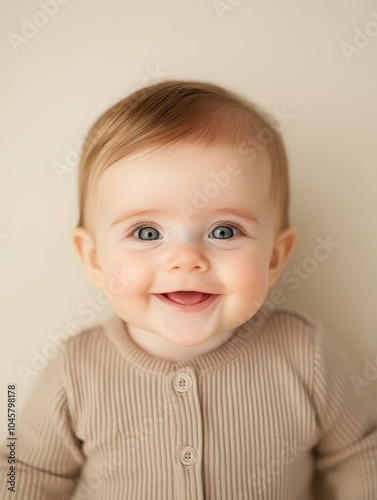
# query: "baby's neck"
{"type": "Point", "coordinates": [159, 347]}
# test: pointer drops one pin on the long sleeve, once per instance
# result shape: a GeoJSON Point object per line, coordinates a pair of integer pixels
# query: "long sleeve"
{"type": "Point", "coordinates": [48, 454]}
{"type": "Point", "coordinates": [107, 421]}
{"type": "Point", "coordinates": [347, 452]}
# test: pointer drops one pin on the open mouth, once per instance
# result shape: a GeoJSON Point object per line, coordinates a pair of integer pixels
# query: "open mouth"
{"type": "Point", "coordinates": [187, 301]}
{"type": "Point", "coordinates": [187, 298]}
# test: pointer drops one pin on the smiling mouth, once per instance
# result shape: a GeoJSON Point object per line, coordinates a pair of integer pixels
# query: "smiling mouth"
{"type": "Point", "coordinates": [187, 297]}
{"type": "Point", "coordinates": [187, 301]}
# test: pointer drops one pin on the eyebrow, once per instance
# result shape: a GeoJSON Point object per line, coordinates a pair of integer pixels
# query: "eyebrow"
{"type": "Point", "coordinates": [232, 210]}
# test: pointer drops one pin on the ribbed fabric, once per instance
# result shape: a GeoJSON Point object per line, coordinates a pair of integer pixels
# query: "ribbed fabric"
{"type": "Point", "coordinates": [249, 420]}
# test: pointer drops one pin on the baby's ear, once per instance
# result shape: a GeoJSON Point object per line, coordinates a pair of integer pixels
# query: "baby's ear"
{"type": "Point", "coordinates": [86, 251]}
{"type": "Point", "coordinates": [284, 245]}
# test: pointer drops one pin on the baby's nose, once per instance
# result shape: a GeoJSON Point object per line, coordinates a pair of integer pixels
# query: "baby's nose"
{"type": "Point", "coordinates": [187, 256]}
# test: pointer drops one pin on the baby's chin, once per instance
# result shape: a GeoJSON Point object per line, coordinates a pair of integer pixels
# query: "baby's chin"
{"type": "Point", "coordinates": [187, 340]}
{"type": "Point", "coordinates": [198, 340]}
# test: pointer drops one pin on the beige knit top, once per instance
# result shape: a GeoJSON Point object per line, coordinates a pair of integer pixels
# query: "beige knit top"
{"type": "Point", "coordinates": [249, 420]}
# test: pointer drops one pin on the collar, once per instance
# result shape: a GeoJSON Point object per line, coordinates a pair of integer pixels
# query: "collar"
{"type": "Point", "coordinates": [116, 331]}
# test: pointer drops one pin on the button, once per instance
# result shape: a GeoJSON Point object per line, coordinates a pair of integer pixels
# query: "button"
{"type": "Point", "coordinates": [188, 455]}
{"type": "Point", "coordinates": [182, 382]}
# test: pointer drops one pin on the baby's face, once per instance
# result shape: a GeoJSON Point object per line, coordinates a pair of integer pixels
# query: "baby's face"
{"type": "Point", "coordinates": [192, 239]}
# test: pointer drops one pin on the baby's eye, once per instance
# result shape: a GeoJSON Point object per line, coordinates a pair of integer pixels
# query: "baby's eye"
{"type": "Point", "coordinates": [223, 234]}
{"type": "Point", "coordinates": [147, 232]}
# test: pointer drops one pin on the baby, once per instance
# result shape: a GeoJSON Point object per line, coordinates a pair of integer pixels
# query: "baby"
{"type": "Point", "coordinates": [192, 389]}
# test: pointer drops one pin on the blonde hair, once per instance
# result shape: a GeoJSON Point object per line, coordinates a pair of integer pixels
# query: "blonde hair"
{"type": "Point", "coordinates": [173, 111]}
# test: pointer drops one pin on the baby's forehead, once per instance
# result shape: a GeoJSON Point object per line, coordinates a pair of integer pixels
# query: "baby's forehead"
{"type": "Point", "coordinates": [182, 148]}
{"type": "Point", "coordinates": [180, 164]}
{"type": "Point", "coordinates": [185, 175]}
{"type": "Point", "coordinates": [183, 153]}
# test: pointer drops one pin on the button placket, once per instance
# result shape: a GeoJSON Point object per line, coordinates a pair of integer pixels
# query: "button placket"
{"type": "Point", "coordinates": [189, 432]}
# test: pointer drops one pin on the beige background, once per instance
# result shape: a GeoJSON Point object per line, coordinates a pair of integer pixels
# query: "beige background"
{"type": "Point", "coordinates": [283, 55]}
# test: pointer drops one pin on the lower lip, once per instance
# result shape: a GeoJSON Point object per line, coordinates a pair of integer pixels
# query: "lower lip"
{"type": "Point", "coordinates": [189, 308]}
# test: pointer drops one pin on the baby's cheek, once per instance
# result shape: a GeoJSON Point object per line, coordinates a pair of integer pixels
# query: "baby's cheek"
{"type": "Point", "coordinates": [129, 277]}
{"type": "Point", "coordinates": [121, 280]}
{"type": "Point", "coordinates": [252, 274]}
{"type": "Point", "coordinates": [250, 283]}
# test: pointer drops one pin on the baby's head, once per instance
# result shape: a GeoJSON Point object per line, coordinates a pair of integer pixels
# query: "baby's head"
{"type": "Point", "coordinates": [183, 186]}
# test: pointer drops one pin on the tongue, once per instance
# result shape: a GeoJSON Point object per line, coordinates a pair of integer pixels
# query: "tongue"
{"type": "Point", "coordinates": [187, 298]}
